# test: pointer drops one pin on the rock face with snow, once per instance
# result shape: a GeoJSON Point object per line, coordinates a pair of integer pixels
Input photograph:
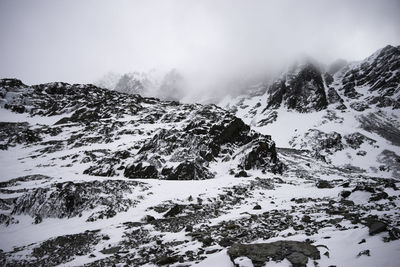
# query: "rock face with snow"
{"type": "Point", "coordinates": [174, 141]}
{"type": "Point", "coordinates": [296, 252]}
{"type": "Point", "coordinates": [94, 177]}
{"type": "Point", "coordinates": [344, 115]}
{"type": "Point", "coordinates": [377, 79]}
{"type": "Point", "coordinates": [301, 89]}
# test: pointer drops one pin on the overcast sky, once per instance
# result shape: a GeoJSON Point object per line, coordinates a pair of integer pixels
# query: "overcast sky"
{"type": "Point", "coordinates": [79, 41]}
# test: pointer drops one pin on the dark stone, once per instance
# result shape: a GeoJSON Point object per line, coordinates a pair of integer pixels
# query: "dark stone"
{"type": "Point", "coordinates": [257, 207]}
{"type": "Point", "coordinates": [306, 219]}
{"type": "Point", "coordinates": [346, 185]}
{"type": "Point", "coordinates": [175, 210]}
{"type": "Point", "coordinates": [394, 233]}
{"type": "Point", "coordinates": [241, 173]}
{"type": "Point", "coordinates": [345, 194]}
{"type": "Point", "coordinates": [328, 79]}
{"type": "Point", "coordinates": [140, 171]}
{"type": "Point", "coordinates": [379, 196]}
{"type": "Point", "coordinates": [38, 219]}
{"type": "Point", "coordinates": [112, 250]}
{"type": "Point", "coordinates": [189, 170]}
{"type": "Point", "coordinates": [324, 184]}
{"type": "Point", "coordinates": [149, 218]}
{"type": "Point", "coordinates": [263, 156]}
{"type": "Point", "coordinates": [165, 260]}
{"type": "Point", "coordinates": [297, 253]}
{"type": "Point", "coordinates": [235, 131]}
{"type": "Point", "coordinates": [99, 170]}
{"type": "Point", "coordinates": [296, 92]}
{"type": "Point", "coordinates": [364, 252]}
{"type": "Point", "coordinates": [207, 241]}
{"type": "Point", "coordinates": [376, 227]}
{"type": "Point", "coordinates": [226, 242]}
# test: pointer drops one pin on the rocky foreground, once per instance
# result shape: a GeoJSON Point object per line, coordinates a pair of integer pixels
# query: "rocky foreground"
{"type": "Point", "coordinates": [92, 177]}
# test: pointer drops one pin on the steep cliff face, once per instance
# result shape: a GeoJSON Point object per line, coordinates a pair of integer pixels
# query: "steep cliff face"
{"type": "Point", "coordinates": [376, 79]}
{"type": "Point", "coordinates": [301, 89]}
{"type": "Point", "coordinates": [308, 105]}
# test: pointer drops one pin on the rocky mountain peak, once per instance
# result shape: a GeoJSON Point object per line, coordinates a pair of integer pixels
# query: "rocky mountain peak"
{"type": "Point", "coordinates": [301, 89]}
{"type": "Point", "coordinates": [379, 73]}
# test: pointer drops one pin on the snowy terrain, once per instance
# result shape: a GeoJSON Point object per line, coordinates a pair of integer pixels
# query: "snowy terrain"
{"type": "Point", "coordinates": [92, 177]}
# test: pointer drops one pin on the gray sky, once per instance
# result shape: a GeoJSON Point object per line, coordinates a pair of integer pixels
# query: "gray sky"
{"type": "Point", "coordinates": [79, 41]}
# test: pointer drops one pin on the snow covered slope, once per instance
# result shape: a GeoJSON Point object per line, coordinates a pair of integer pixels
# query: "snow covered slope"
{"type": "Point", "coordinates": [93, 177]}
{"type": "Point", "coordinates": [350, 118]}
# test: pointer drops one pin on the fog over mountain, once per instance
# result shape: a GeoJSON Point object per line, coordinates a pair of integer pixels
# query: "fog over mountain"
{"type": "Point", "coordinates": [217, 46]}
{"type": "Point", "coordinates": [200, 133]}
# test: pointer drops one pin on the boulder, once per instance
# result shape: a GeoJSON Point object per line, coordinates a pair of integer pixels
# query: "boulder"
{"type": "Point", "coordinates": [297, 253]}
{"type": "Point", "coordinates": [140, 171]}
{"type": "Point", "coordinates": [376, 227]}
{"type": "Point", "coordinates": [324, 184]}
{"type": "Point", "coordinates": [189, 170]}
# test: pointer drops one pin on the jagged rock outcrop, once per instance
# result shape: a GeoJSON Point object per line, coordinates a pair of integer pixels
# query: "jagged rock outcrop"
{"type": "Point", "coordinates": [301, 89]}
{"type": "Point", "coordinates": [378, 73]}
{"type": "Point", "coordinates": [70, 199]}
{"type": "Point", "coordinates": [297, 253]}
{"type": "Point", "coordinates": [188, 135]}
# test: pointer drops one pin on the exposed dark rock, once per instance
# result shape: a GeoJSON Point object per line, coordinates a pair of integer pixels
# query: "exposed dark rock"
{"type": "Point", "coordinates": [324, 184]}
{"type": "Point", "coordinates": [378, 123]}
{"type": "Point", "coordinates": [140, 171]}
{"type": "Point", "coordinates": [149, 218]}
{"type": "Point", "coordinates": [345, 194]}
{"type": "Point", "coordinates": [241, 173]}
{"type": "Point", "coordinates": [359, 106]}
{"type": "Point", "coordinates": [175, 210]}
{"type": "Point", "coordinates": [263, 156]}
{"type": "Point", "coordinates": [59, 250]}
{"type": "Point", "coordinates": [166, 260]}
{"type": "Point", "coordinates": [376, 227]}
{"type": "Point", "coordinates": [319, 142]}
{"type": "Point", "coordinates": [205, 132]}
{"type": "Point", "coordinates": [378, 196]}
{"type": "Point", "coordinates": [380, 73]}
{"type": "Point", "coordinates": [190, 171]}
{"type": "Point", "coordinates": [234, 131]}
{"type": "Point", "coordinates": [328, 78]}
{"type": "Point", "coordinates": [106, 171]}
{"type": "Point", "coordinates": [302, 89]}
{"type": "Point", "coordinates": [355, 140]}
{"type": "Point", "coordinates": [297, 253]}
{"type": "Point", "coordinates": [111, 250]}
{"type": "Point", "coordinates": [334, 98]}
{"type": "Point", "coordinates": [12, 133]}
{"type": "Point", "coordinates": [306, 219]}
{"type": "Point", "coordinates": [364, 252]}
{"type": "Point", "coordinates": [70, 199]}
{"type": "Point", "coordinates": [270, 117]}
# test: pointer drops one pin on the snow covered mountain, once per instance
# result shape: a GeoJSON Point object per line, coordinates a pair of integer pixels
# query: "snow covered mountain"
{"type": "Point", "coordinates": [305, 174]}
{"type": "Point", "coordinates": [350, 118]}
{"type": "Point", "coordinates": [166, 86]}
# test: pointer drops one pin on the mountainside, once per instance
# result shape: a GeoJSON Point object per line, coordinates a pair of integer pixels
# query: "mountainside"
{"type": "Point", "coordinates": [166, 86]}
{"type": "Point", "coordinates": [349, 118]}
{"type": "Point", "coordinates": [301, 89]}
{"type": "Point", "coordinates": [96, 177]}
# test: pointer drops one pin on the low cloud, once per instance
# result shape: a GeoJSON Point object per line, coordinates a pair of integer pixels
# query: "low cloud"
{"type": "Point", "coordinates": [217, 46]}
